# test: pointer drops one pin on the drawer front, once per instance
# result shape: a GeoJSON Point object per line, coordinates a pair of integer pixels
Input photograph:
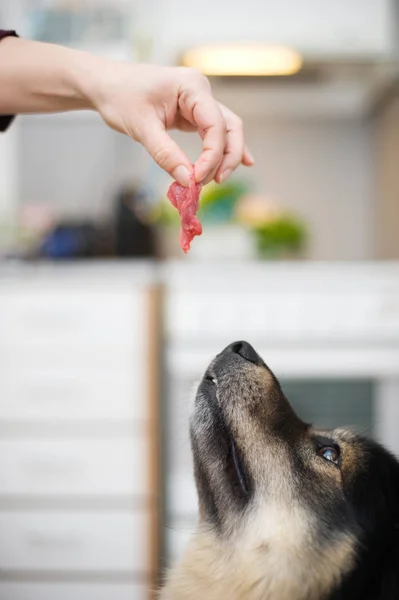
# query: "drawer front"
{"type": "Point", "coordinates": [22, 360]}
{"type": "Point", "coordinates": [284, 315]}
{"type": "Point", "coordinates": [72, 591]}
{"type": "Point", "coordinates": [48, 316]}
{"type": "Point", "coordinates": [74, 467]}
{"type": "Point", "coordinates": [78, 542]}
{"type": "Point", "coordinates": [67, 393]}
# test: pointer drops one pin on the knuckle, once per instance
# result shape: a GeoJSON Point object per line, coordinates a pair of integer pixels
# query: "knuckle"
{"type": "Point", "coordinates": [194, 73]}
{"type": "Point", "coordinates": [161, 156]}
{"type": "Point", "coordinates": [234, 155]}
{"type": "Point", "coordinates": [238, 124]}
{"type": "Point", "coordinates": [206, 81]}
{"type": "Point", "coordinates": [196, 77]}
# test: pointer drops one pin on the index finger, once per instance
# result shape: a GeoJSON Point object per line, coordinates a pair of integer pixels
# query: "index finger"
{"type": "Point", "coordinates": [207, 117]}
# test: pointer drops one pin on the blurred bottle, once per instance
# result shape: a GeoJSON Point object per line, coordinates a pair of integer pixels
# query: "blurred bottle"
{"type": "Point", "coordinates": [134, 235]}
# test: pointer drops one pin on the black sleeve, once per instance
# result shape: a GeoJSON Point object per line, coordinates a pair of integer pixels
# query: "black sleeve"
{"type": "Point", "coordinates": [5, 120]}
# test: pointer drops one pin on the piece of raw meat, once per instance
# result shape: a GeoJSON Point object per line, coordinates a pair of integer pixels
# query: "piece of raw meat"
{"type": "Point", "coordinates": [186, 200]}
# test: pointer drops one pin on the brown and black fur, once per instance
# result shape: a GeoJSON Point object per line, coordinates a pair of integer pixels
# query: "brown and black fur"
{"type": "Point", "coordinates": [287, 512]}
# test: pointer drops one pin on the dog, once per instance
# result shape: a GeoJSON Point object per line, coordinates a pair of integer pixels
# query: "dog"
{"type": "Point", "coordinates": [286, 512]}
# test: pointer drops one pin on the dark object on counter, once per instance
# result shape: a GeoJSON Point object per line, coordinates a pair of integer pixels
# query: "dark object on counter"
{"type": "Point", "coordinates": [126, 234]}
{"type": "Point", "coordinates": [70, 240]}
{"type": "Point", "coordinates": [134, 236]}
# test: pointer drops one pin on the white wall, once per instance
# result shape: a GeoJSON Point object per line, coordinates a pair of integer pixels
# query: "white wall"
{"type": "Point", "coordinates": [386, 133]}
{"type": "Point", "coordinates": [74, 163]}
{"type": "Point", "coordinates": [9, 185]}
{"type": "Point", "coordinates": [323, 171]}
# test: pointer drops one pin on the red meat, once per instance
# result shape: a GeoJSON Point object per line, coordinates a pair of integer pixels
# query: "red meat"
{"type": "Point", "coordinates": [186, 200]}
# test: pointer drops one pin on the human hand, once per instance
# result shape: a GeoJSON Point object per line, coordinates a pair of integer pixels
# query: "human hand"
{"type": "Point", "coordinates": [145, 101]}
{"type": "Point", "coordinates": [142, 101]}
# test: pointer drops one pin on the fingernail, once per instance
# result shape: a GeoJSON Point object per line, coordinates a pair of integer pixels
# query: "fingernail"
{"type": "Point", "coordinates": [182, 175]}
{"type": "Point", "coordinates": [250, 156]}
{"type": "Point", "coordinates": [225, 175]}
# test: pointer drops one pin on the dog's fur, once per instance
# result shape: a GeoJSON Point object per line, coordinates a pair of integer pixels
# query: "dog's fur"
{"type": "Point", "coordinates": [286, 512]}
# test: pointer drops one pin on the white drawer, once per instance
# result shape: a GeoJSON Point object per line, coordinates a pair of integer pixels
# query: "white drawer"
{"type": "Point", "coordinates": [47, 316]}
{"type": "Point", "coordinates": [72, 591]}
{"type": "Point", "coordinates": [80, 541]}
{"type": "Point", "coordinates": [282, 315]}
{"type": "Point", "coordinates": [67, 393]}
{"type": "Point", "coordinates": [74, 466]}
{"type": "Point", "coordinates": [21, 359]}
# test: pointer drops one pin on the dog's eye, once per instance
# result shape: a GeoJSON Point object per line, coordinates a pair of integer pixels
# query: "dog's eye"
{"type": "Point", "coordinates": [330, 453]}
{"type": "Point", "coordinates": [210, 379]}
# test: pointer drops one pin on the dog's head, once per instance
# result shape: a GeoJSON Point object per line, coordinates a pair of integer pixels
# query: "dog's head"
{"type": "Point", "coordinates": [287, 511]}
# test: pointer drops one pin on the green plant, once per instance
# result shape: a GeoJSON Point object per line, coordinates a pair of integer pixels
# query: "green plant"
{"type": "Point", "coordinates": [218, 201]}
{"type": "Point", "coordinates": [165, 214]}
{"type": "Point", "coordinates": [284, 235]}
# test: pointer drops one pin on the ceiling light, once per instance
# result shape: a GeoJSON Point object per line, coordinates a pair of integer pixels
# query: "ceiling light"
{"type": "Point", "coordinates": [245, 59]}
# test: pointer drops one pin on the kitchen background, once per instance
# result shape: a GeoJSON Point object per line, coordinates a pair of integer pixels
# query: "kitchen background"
{"type": "Point", "coordinates": [105, 325]}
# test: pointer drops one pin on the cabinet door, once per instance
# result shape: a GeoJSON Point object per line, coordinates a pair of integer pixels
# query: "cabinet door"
{"type": "Point", "coordinates": [75, 467]}
{"type": "Point", "coordinates": [74, 541]}
{"type": "Point", "coordinates": [330, 27]}
{"type": "Point", "coordinates": [72, 591]}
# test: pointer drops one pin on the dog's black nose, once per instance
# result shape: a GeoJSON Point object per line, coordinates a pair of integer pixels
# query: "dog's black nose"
{"type": "Point", "coordinates": [245, 350]}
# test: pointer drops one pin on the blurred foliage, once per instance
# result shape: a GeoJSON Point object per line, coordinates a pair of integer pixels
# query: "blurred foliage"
{"type": "Point", "coordinates": [282, 236]}
{"type": "Point", "coordinates": [218, 202]}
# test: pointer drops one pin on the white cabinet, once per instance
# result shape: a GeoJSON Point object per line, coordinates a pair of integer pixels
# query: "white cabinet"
{"type": "Point", "coordinates": [273, 303]}
{"type": "Point", "coordinates": [334, 313]}
{"type": "Point", "coordinates": [67, 391]}
{"type": "Point", "coordinates": [60, 467]}
{"type": "Point", "coordinates": [78, 314]}
{"type": "Point", "coordinates": [78, 445]}
{"type": "Point", "coordinates": [318, 28]}
{"type": "Point", "coordinates": [74, 542]}
{"type": "Point", "coordinates": [72, 591]}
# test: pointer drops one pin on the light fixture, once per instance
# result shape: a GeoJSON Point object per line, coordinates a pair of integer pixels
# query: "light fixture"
{"type": "Point", "coordinates": [243, 59]}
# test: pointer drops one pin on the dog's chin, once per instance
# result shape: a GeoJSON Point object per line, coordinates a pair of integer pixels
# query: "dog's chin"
{"type": "Point", "coordinates": [221, 473]}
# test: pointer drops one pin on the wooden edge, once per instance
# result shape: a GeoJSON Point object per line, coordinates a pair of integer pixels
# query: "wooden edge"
{"type": "Point", "coordinates": [154, 337]}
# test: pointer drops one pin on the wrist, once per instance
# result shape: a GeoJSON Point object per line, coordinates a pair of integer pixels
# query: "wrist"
{"type": "Point", "coordinates": [82, 72]}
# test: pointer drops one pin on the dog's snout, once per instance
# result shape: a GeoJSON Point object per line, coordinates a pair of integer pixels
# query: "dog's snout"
{"type": "Point", "coordinates": [245, 350]}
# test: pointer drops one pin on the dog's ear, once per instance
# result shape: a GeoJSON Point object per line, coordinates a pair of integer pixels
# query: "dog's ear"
{"type": "Point", "coordinates": [377, 578]}
{"type": "Point", "coordinates": [388, 584]}
{"type": "Point", "coordinates": [390, 567]}
{"type": "Point", "coordinates": [382, 563]}
{"type": "Point", "coordinates": [375, 499]}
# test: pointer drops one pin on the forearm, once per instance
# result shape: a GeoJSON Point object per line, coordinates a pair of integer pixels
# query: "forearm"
{"type": "Point", "coordinates": [142, 101]}
{"type": "Point", "coordinates": [43, 78]}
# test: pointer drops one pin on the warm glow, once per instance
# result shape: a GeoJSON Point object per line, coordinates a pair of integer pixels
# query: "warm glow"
{"type": "Point", "coordinates": [254, 210]}
{"type": "Point", "coordinates": [243, 60]}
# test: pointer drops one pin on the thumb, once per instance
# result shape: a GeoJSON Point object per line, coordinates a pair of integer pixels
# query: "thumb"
{"type": "Point", "coordinates": [166, 153]}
